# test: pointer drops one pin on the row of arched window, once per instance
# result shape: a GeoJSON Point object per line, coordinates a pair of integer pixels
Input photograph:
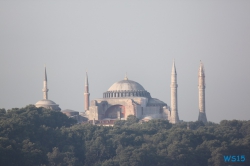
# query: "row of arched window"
{"type": "Point", "coordinates": [126, 94]}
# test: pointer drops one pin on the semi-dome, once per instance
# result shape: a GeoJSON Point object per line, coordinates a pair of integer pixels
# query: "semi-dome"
{"type": "Point", "coordinates": [49, 104]}
{"type": "Point", "coordinates": [126, 88]}
{"type": "Point", "coordinates": [69, 112]}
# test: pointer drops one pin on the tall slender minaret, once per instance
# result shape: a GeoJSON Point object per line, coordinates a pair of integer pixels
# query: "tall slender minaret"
{"type": "Point", "coordinates": [45, 89]}
{"type": "Point", "coordinates": [201, 79]}
{"type": "Point", "coordinates": [174, 102]}
{"type": "Point", "coordinates": [86, 94]}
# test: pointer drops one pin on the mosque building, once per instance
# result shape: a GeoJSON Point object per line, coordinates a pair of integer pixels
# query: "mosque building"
{"type": "Point", "coordinates": [124, 98]}
{"type": "Point", "coordinates": [45, 102]}
{"type": "Point", "coordinates": [127, 97]}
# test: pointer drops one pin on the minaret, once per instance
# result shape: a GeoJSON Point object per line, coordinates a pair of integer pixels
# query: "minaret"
{"type": "Point", "coordinates": [174, 102]}
{"type": "Point", "coordinates": [201, 79]}
{"type": "Point", "coordinates": [45, 89]}
{"type": "Point", "coordinates": [86, 94]}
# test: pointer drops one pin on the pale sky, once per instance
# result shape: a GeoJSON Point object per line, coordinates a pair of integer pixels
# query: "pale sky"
{"type": "Point", "coordinates": [109, 38]}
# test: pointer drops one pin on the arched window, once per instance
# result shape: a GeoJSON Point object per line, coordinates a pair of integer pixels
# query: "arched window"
{"type": "Point", "coordinates": [115, 112]}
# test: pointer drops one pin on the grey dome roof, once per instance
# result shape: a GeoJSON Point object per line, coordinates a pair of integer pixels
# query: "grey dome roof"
{"type": "Point", "coordinates": [68, 110]}
{"type": "Point", "coordinates": [49, 104]}
{"type": "Point", "coordinates": [126, 84]}
{"type": "Point", "coordinates": [46, 102]}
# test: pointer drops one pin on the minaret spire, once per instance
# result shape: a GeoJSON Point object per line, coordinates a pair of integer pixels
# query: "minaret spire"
{"type": "Point", "coordinates": [86, 93]}
{"type": "Point", "coordinates": [126, 76]}
{"type": "Point", "coordinates": [45, 75]}
{"type": "Point", "coordinates": [174, 102]}
{"type": "Point", "coordinates": [201, 80]}
{"type": "Point", "coordinates": [173, 68]}
{"type": "Point", "coordinates": [45, 88]}
{"type": "Point", "coordinates": [86, 80]}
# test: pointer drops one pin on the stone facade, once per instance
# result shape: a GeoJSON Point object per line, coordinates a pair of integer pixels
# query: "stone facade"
{"type": "Point", "coordinates": [125, 98]}
{"type": "Point", "coordinates": [121, 108]}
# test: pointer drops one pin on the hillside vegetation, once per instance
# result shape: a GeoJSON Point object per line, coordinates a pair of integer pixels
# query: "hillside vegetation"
{"type": "Point", "coordinates": [35, 136]}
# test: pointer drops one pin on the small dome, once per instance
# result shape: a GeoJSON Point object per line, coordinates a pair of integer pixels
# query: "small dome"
{"type": "Point", "coordinates": [45, 102]}
{"type": "Point", "coordinates": [151, 116]}
{"type": "Point", "coordinates": [148, 117]}
{"type": "Point", "coordinates": [49, 104]}
{"type": "Point", "coordinates": [70, 113]}
{"type": "Point", "coordinates": [68, 110]}
{"type": "Point", "coordinates": [126, 84]}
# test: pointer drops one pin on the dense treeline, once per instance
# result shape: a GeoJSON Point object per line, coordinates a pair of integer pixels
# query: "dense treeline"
{"type": "Point", "coordinates": [36, 136]}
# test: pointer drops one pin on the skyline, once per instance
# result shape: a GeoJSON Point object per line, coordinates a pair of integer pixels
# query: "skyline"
{"type": "Point", "coordinates": [141, 38]}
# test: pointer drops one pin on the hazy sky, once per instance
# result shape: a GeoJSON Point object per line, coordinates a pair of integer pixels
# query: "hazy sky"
{"type": "Point", "coordinates": [109, 38]}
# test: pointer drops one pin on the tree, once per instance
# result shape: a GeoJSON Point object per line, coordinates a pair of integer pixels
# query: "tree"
{"type": "Point", "coordinates": [131, 119]}
{"type": "Point", "coordinates": [37, 136]}
{"type": "Point", "coordinates": [2, 112]}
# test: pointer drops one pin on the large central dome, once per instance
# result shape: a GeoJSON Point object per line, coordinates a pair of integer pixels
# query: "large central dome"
{"type": "Point", "coordinates": [126, 88]}
{"type": "Point", "coordinates": [127, 85]}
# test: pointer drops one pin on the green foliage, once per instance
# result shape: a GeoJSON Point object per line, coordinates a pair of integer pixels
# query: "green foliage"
{"type": "Point", "coordinates": [131, 119]}
{"type": "Point", "coordinates": [28, 134]}
{"type": "Point", "coordinates": [2, 112]}
{"type": "Point", "coordinates": [56, 157]}
{"type": "Point", "coordinates": [36, 136]}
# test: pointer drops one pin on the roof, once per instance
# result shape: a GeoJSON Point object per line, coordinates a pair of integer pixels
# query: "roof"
{"type": "Point", "coordinates": [126, 84]}
{"type": "Point", "coordinates": [45, 102]}
{"type": "Point", "coordinates": [49, 104]}
{"type": "Point", "coordinates": [156, 101]}
{"type": "Point", "coordinates": [68, 110]}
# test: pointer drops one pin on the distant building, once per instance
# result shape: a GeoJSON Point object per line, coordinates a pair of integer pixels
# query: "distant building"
{"type": "Point", "coordinates": [70, 113]}
{"type": "Point", "coordinates": [75, 115]}
{"type": "Point", "coordinates": [127, 97]}
{"type": "Point", "coordinates": [45, 102]}
{"type": "Point", "coordinates": [100, 122]}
